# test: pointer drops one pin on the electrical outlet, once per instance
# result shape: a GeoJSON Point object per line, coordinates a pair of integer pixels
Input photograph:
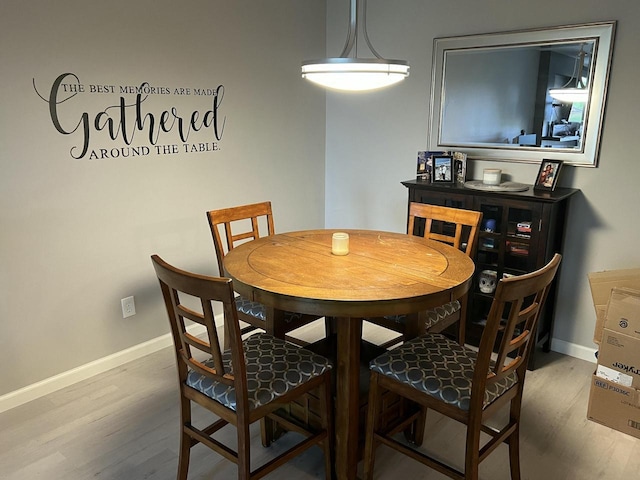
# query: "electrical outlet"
{"type": "Point", "coordinates": [128, 307]}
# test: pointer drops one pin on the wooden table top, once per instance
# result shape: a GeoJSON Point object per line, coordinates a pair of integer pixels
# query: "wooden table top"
{"type": "Point", "coordinates": [384, 273]}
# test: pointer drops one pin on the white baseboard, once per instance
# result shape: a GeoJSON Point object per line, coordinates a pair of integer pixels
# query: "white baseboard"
{"type": "Point", "coordinates": [62, 380]}
{"type": "Point", "coordinates": [574, 350]}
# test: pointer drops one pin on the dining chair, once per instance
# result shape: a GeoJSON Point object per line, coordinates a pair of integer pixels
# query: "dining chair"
{"type": "Point", "coordinates": [456, 227]}
{"type": "Point", "coordinates": [251, 381]}
{"type": "Point", "coordinates": [232, 226]}
{"type": "Point", "coordinates": [434, 372]}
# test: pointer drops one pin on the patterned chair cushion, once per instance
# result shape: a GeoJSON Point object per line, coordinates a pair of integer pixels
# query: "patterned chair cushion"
{"type": "Point", "coordinates": [258, 310]}
{"type": "Point", "coordinates": [439, 367]}
{"type": "Point", "coordinates": [434, 315]}
{"type": "Point", "coordinates": [274, 367]}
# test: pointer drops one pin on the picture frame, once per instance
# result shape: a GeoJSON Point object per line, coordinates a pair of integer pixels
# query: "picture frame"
{"type": "Point", "coordinates": [424, 170]}
{"type": "Point", "coordinates": [548, 174]}
{"type": "Point", "coordinates": [443, 169]}
{"type": "Point", "coordinates": [460, 167]}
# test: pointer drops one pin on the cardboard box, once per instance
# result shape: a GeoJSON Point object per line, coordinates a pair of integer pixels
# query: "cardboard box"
{"type": "Point", "coordinates": [615, 406]}
{"type": "Point", "coordinates": [601, 284]}
{"type": "Point", "coordinates": [620, 353]}
{"type": "Point", "coordinates": [623, 312]}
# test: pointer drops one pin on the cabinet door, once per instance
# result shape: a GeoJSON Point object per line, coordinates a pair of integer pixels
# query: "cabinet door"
{"type": "Point", "coordinates": [509, 236]}
{"type": "Point", "coordinates": [507, 245]}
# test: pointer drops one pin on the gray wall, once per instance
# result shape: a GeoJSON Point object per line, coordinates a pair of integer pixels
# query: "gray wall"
{"type": "Point", "coordinates": [372, 139]}
{"type": "Point", "coordinates": [76, 235]}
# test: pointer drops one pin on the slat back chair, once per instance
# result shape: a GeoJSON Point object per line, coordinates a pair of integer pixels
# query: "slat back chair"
{"type": "Point", "coordinates": [244, 384]}
{"type": "Point", "coordinates": [461, 383]}
{"type": "Point", "coordinates": [247, 217]}
{"type": "Point", "coordinates": [455, 217]}
{"type": "Point", "coordinates": [456, 227]}
{"type": "Point", "coordinates": [235, 225]}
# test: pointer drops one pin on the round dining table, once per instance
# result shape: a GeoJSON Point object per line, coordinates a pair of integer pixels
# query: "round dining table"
{"type": "Point", "coordinates": [384, 273]}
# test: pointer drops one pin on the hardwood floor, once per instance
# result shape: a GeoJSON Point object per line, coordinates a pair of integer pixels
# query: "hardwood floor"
{"type": "Point", "coordinates": [123, 425]}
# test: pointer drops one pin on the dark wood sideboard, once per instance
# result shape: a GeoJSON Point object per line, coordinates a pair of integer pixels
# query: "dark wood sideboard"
{"type": "Point", "coordinates": [529, 229]}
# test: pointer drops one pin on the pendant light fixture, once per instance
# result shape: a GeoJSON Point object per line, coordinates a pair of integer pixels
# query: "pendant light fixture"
{"type": "Point", "coordinates": [574, 90]}
{"type": "Point", "coordinates": [353, 73]}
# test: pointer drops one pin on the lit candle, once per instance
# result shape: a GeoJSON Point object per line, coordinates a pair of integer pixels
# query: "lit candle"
{"type": "Point", "coordinates": [492, 176]}
{"type": "Point", "coordinates": [340, 243]}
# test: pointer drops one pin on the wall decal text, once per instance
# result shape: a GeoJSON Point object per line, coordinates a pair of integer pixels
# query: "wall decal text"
{"type": "Point", "coordinates": [136, 123]}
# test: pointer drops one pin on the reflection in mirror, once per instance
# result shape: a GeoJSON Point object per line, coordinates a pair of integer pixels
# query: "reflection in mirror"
{"type": "Point", "coordinates": [512, 106]}
{"type": "Point", "coordinates": [491, 94]}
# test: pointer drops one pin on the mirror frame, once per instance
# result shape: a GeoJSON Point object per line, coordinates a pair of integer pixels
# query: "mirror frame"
{"type": "Point", "coordinates": [602, 33]}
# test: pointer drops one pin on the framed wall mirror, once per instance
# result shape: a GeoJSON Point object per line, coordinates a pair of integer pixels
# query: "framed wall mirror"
{"type": "Point", "coordinates": [491, 94]}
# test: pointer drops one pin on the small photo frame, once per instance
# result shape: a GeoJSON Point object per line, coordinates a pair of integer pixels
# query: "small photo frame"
{"type": "Point", "coordinates": [548, 175]}
{"type": "Point", "coordinates": [443, 169]}
{"type": "Point", "coordinates": [460, 167]}
{"type": "Point", "coordinates": [425, 167]}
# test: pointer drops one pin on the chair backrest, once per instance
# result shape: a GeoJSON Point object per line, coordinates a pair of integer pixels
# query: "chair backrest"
{"type": "Point", "coordinates": [451, 230]}
{"type": "Point", "coordinates": [246, 217]}
{"type": "Point", "coordinates": [516, 308]}
{"type": "Point", "coordinates": [179, 289]}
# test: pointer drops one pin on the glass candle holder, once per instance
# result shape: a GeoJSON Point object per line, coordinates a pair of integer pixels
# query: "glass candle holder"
{"type": "Point", "coordinates": [340, 243]}
{"type": "Point", "coordinates": [492, 176]}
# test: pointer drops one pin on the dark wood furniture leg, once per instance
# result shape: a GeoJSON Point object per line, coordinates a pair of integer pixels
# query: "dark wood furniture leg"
{"type": "Point", "coordinates": [349, 331]}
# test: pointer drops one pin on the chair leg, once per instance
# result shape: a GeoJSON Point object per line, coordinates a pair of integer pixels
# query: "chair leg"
{"type": "Point", "coordinates": [472, 451]}
{"type": "Point", "coordinates": [329, 326]}
{"type": "Point", "coordinates": [185, 440]}
{"type": "Point", "coordinates": [514, 454]}
{"type": "Point", "coordinates": [514, 439]}
{"type": "Point", "coordinates": [416, 434]}
{"type": "Point", "coordinates": [373, 414]}
{"type": "Point", "coordinates": [244, 451]}
{"type": "Point", "coordinates": [267, 432]}
{"type": "Point", "coordinates": [326, 417]}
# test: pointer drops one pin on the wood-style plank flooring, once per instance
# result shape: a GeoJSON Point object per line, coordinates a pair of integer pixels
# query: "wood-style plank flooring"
{"type": "Point", "coordinates": [123, 425]}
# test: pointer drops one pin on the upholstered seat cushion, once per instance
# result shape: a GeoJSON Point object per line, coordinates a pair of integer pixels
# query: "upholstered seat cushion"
{"type": "Point", "coordinates": [439, 367]}
{"type": "Point", "coordinates": [258, 310]}
{"type": "Point", "coordinates": [433, 316]}
{"type": "Point", "coordinates": [274, 367]}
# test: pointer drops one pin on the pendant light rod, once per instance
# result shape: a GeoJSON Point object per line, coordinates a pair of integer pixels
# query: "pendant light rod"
{"type": "Point", "coordinates": [576, 76]}
{"type": "Point", "coordinates": [352, 37]}
{"type": "Point", "coordinates": [353, 29]}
